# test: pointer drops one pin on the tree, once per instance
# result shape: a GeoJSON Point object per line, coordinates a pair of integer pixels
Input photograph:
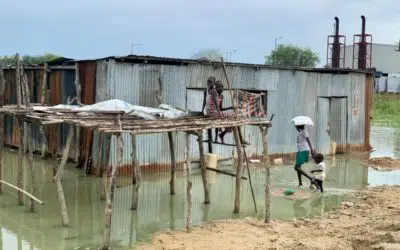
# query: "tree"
{"type": "Point", "coordinates": [208, 55]}
{"type": "Point", "coordinates": [28, 59]}
{"type": "Point", "coordinates": [292, 56]}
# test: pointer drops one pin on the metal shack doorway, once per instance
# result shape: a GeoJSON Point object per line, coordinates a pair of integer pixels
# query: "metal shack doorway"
{"type": "Point", "coordinates": [331, 122]}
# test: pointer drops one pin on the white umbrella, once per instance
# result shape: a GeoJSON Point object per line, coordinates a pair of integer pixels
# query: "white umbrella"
{"type": "Point", "coordinates": [302, 120]}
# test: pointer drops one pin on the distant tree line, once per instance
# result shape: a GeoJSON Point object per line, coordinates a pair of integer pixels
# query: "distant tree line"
{"type": "Point", "coordinates": [28, 59]}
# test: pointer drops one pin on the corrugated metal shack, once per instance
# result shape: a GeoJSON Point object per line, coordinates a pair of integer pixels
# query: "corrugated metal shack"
{"type": "Point", "coordinates": [338, 100]}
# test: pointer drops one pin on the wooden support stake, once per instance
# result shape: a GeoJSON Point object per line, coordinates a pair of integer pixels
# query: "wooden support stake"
{"type": "Point", "coordinates": [57, 178]}
{"type": "Point", "coordinates": [239, 151]}
{"type": "Point", "coordinates": [267, 214]}
{"type": "Point", "coordinates": [110, 196]}
{"type": "Point", "coordinates": [250, 183]}
{"type": "Point", "coordinates": [43, 128]}
{"type": "Point", "coordinates": [203, 168]}
{"type": "Point", "coordinates": [78, 129]}
{"type": "Point", "coordinates": [189, 196]}
{"type": "Point", "coordinates": [31, 165]}
{"type": "Point", "coordinates": [99, 164]}
{"type": "Point", "coordinates": [103, 186]}
{"type": "Point", "coordinates": [20, 170]}
{"type": "Point", "coordinates": [173, 164]}
{"type": "Point", "coordinates": [2, 87]}
{"type": "Point", "coordinates": [18, 79]}
{"type": "Point", "coordinates": [136, 175]}
{"type": "Point", "coordinates": [209, 141]}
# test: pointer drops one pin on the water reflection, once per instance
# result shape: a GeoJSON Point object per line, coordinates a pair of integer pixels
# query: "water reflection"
{"type": "Point", "coordinates": [158, 210]}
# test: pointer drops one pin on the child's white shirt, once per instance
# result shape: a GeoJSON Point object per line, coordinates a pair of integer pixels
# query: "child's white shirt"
{"type": "Point", "coordinates": [321, 175]}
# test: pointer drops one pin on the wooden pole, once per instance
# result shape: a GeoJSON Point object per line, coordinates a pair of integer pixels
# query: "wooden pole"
{"type": "Point", "coordinates": [103, 185]}
{"type": "Point", "coordinates": [109, 197]}
{"type": "Point", "coordinates": [43, 128]}
{"type": "Point", "coordinates": [203, 168]}
{"type": "Point", "coordinates": [20, 170]}
{"type": "Point", "coordinates": [18, 79]}
{"type": "Point", "coordinates": [31, 165]}
{"type": "Point", "coordinates": [26, 101]}
{"type": "Point", "coordinates": [224, 172]}
{"type": "Point", "coordinates": [238, 143]}
{"type": "Point", "coordinates": [173, 164]}
{"type": "Point", "coordinates": [136, 175]}
{"type": "Point", "coordinates": [57, 177]}
{"type": "Point", "coordinates": [250, 183]}
{"type": "Point", "coordinates": [55, 152]}
{"type": "Point", "coordinates": [23, 191]}
{"type": "Point", "coordinates": [189, 196]}
{"type": "Point", "coordinates": [2, 87]}
{"type": "Point", "coordinates": [239, 150]}
{"type": "Point", "coordinates": [267, 214]}
{"type": "Point", "coordinates": [210, 140]}
{"type": "Point", "coordinates": [100, 167]}
{"type": "Point", "coordinates": [78, 129]}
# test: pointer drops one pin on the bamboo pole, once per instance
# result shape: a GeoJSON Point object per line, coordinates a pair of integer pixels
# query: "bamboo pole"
{"type": "Point", "coordinates": [78, 129]}
{"type": "Point", "coordinates": [173, 164]}
{"type": "Point", "coordinates": [31, 165]}
{"type": "Point", "coordinates": [20, 170]}
{"type": "Point", "coordinates": [109, 197]}
{"type": "Point", "coordinates": [22, 191]}
{"type": "Point", "coordinates": [43, 128]}
{"type": "Point", "coordinates": [18, 79]}
{"type": "Point", "coordinates": [103, 183]}
{"type": "Point", "coordinates": [203, 168]}
{"type": "Point", "coordinates": [26, 101]}
{"type": "Point", "coordinates": [189, 196]}
{"type": "Point", "coordinates": [2, 87]}
{"type": "Point", "coordinates": [267, 214]}
{"type": "Point", "coordinates": [57, 177]}
{"type": "Point", "coordinates": [136, 175]}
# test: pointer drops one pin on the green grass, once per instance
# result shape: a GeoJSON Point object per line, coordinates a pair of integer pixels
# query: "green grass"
{"type": "Point", "coordinates": [386, 110]}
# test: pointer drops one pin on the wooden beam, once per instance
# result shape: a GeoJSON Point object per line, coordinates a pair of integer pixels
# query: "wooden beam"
{"type": "Point", "coordinates": [203, 168]}
{"type": "Point", "coordinates": [23, 191]}
{"type": "Point", "coordinates": [265, 159]}
{"type": "Point", "coordinates": [57, 178]}
{"type": "Point", "coordinates": [189, 195]}
{"type": "Point", "coordinates": [136, 175]}
{"type": "Point", "coordinates": [173, 163]}
{"type": "Point", "coordinates": [224, 172]}
{"type": "Point", "coordinates": [239, 166]}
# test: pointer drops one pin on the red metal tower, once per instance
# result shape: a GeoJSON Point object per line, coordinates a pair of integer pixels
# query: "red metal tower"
{"type": "Point", "coordinates": [336, 48]}
{"type": "Point", "coordinates": [362, 48]}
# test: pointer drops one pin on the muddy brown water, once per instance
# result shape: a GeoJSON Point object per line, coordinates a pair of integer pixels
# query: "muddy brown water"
{"type": "Point", "coordinates": [157, 210]}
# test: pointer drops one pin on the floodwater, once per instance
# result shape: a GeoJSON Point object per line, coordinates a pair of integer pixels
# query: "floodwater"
{"type": "Point", "coordinates": [157, 210]}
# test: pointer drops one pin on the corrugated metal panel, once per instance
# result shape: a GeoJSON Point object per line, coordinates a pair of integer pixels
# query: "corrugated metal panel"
{"type": "Point", "coordinates": [338, 122]}
{"type": "Point", "coordinates": [356, 109]}
{"type": "Point", "coordinates": [323, 139]}
{"type": "Point", "coordinates": [87, 79]}
{"type": "Point", "coordinates": [250, 78]}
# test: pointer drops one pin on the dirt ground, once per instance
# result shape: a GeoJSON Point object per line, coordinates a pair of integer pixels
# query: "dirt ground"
{"type": "Point", "coordinates": [370, 221]}
{"type": "Point", "coordinates": [383, 164]}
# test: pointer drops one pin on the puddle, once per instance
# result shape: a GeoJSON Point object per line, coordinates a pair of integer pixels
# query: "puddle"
{"type": "Point", "coordinates": [158, 210]}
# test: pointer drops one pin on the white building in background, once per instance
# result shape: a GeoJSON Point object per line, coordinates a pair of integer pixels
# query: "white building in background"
{"type": "Point", "coordinates": [385, 58]}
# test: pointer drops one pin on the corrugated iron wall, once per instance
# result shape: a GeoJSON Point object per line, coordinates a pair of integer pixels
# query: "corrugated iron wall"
{"type": "Point", "coordinates": [289, 93]}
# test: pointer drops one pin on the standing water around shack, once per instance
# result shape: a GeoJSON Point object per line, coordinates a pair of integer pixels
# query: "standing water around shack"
{"type": "Point", "coordinates": [157, 210]}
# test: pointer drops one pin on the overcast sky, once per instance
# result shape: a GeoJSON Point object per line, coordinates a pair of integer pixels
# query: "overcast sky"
{"type": "Point", "coordinates": [85, 29]}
